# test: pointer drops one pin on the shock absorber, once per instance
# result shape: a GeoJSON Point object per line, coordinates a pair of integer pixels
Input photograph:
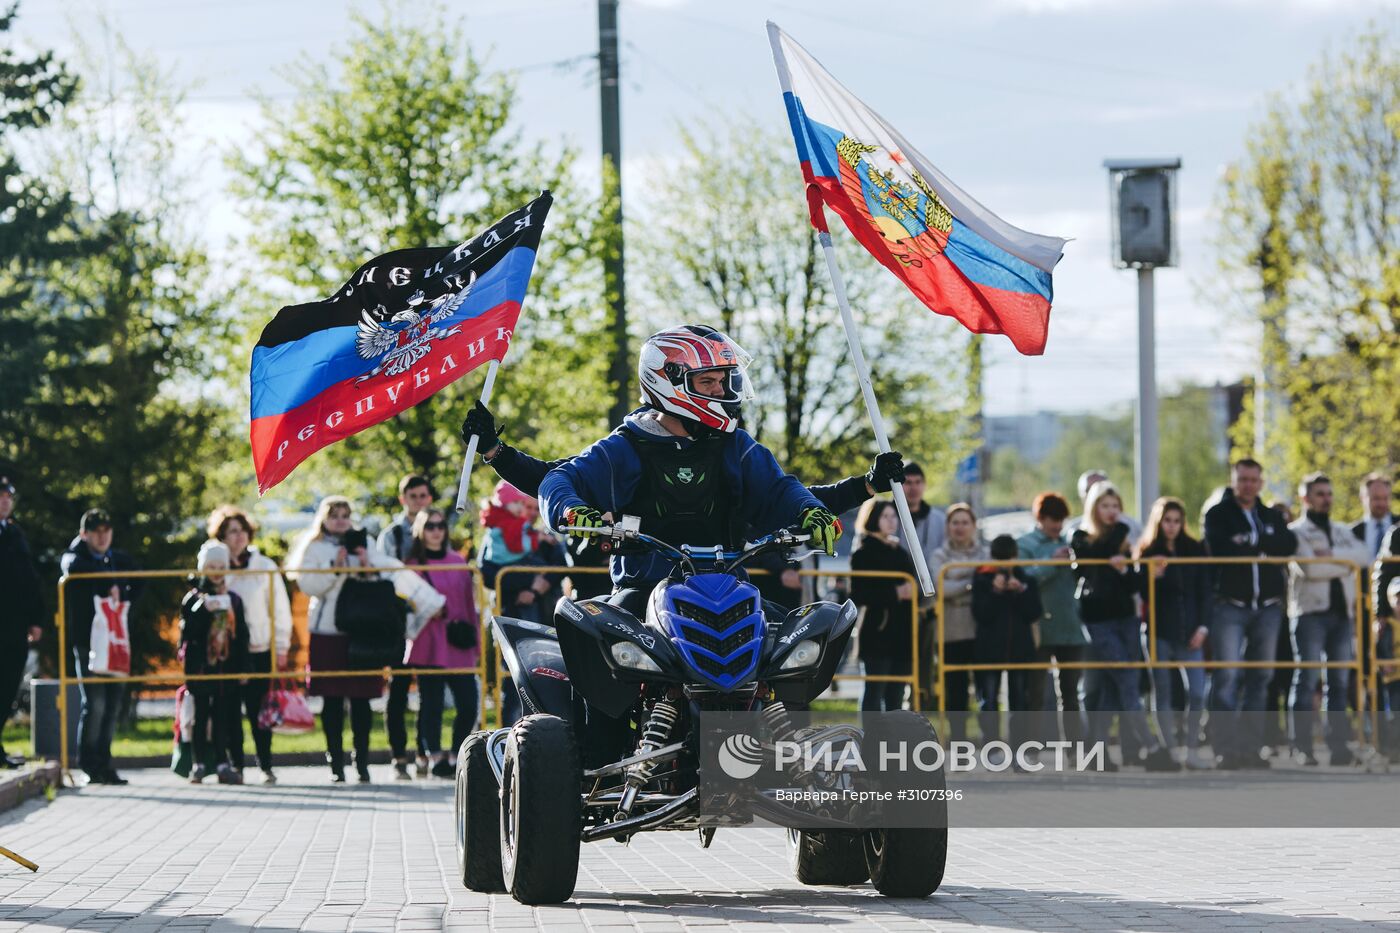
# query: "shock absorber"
{"type": "Point", "coordinates": [662, 719]}
{"type": "Point", "coordinates": [775, 715]}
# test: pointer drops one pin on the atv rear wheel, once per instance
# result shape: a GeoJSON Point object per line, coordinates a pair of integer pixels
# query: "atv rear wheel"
{"type": "Point", "coordinates": [477, 813]}
{"type": "Point", "coordinates": [540, 811]}
{"type": "Point", "coordinates": [830, 857]}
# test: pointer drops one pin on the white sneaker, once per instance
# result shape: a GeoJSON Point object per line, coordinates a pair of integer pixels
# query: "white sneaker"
{"type": "Point", "coordinates": [1198, 760]}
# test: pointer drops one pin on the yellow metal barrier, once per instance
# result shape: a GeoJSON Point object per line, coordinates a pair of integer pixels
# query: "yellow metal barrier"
{"type": "Point", "coordinates": [64, 678]}
{"type": "Point", "coordinates": [1152, 662]}
{"type": "Point", "coordinates": [912, 678]}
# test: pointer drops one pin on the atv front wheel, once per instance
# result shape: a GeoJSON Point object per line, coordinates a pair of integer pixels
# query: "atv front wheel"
{"type": "Point", "coordinates": [541, 812]}
{"type": "Point", "coordinates": [909, 861]}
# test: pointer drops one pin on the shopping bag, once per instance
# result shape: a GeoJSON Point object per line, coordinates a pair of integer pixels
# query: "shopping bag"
{"type": "Point", "coordinates": [184, 715]}
{"type": "Point", "coordinates": [109, 651]}
{"type": "Point", "coordinates": [285, 712]}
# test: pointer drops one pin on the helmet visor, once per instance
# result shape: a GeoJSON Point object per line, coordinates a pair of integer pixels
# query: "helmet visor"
{"type": "Point", "coordinates": [731, 387]}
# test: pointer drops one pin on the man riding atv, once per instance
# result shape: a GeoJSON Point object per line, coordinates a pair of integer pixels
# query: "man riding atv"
{"type": "Point", "coordinates": [616, 688]}
{"type": "Point", "coordinates": [682, 464]}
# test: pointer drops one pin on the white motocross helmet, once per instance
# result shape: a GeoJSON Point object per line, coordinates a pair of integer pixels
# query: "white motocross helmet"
{"type": "Point", "coordinates": [669, 362]}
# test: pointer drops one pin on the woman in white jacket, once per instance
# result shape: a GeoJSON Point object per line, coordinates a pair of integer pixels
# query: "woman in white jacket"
{"type": "Point", "coordinates": [322, 547]}
{"type": "Point", "coordinates": [268, 615]}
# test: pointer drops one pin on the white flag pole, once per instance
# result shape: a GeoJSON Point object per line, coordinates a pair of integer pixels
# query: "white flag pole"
{"type": "Point", "coordinates": [872, 405]}
{"type": "Point", "coordinates": [838, 285]}
{"type": "Point", "coordinates": [486, 388]}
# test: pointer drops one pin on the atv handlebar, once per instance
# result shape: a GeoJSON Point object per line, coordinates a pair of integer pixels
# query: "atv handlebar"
{"type": "Point", "coordinates": [628, 529]}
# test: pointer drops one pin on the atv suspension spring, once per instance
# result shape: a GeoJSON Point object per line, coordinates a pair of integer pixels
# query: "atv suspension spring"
{"type": "Point", "coordinates": [775, 714]}
{"type": "Point", "coordinates": [654, 735]}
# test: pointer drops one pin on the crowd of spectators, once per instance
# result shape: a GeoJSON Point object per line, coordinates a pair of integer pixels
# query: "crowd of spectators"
{"type": "Point", "coordinates": [1094, 605]}
{"type": "Point", "coordinates": [1116, 582]}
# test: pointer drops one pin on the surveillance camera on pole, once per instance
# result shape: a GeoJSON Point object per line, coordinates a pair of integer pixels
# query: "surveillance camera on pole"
{"type": "Point", "coordinates": [1142, 194]}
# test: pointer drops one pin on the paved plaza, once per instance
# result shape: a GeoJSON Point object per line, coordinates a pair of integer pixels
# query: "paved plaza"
{"type": "Point", "coordinates": [303, 855]}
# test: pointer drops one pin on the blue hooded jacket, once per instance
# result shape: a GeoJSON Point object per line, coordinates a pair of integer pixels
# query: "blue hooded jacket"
{"type": "Point", "coordinates": [606, 475]}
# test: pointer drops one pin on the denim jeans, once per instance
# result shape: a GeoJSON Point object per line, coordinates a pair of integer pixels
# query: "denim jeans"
{"type": "Point", "coordinates": [1316, 634]}
{"type": "Point", "coordinates": [883, 695]}
{"type": "Point", "coordinates": [1240, 633]}
{"type": "Point", "coordinates": [98, 723]}
{"type": "Point", "coordinates": [1117, 688]}
{"type": "Point", "coordinates": [1195, 692]}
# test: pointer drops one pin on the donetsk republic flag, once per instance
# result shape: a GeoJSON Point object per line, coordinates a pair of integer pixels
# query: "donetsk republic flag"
{"type": "Point", "coordinates": [956, 256]}
{"type": "Point", "coordinates": [406, 324]}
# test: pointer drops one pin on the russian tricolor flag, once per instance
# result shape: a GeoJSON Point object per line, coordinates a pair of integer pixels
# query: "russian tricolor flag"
{"type": "Point", "coordinates": [407, 324]}
{"type": "Point", "coordinates": [956, 256]}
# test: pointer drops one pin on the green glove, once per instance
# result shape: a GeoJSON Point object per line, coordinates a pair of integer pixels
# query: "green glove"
{"type": "Point", "coordinates": [824, 528]}
{"type": "Point", "coordinates": [581, 516]}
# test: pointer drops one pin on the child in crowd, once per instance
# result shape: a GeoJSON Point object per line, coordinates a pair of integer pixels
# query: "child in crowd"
{"type": "Point", "coordinates": [214, 640]}
{"type": "Point", "coordinates": [1005, 605]}
{"type": "Point", "coordinates": [513, 540]}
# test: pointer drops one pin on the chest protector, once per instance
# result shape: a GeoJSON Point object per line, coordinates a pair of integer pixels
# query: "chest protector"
{"type": "Point", "coordinates": [683, 496]}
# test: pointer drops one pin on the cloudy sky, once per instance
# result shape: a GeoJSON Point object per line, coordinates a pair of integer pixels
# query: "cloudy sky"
{"type": "Point", "coordinates": [1018, 101]}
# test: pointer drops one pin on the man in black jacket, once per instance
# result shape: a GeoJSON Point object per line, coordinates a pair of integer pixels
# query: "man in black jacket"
{"type": "Point", "coordinates": [1248, 613]}
{"type": "Point", "coordinates": [1376, 519]}
{"type": "Point", "coordinates": [92, 552]}
{"type": "Point", "coordinates": [21, 612]}
{"type": "Point", "coordinates": [1383, 574]}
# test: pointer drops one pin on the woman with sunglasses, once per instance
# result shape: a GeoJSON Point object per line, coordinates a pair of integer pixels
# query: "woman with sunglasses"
{"type": "Point", "coordinates": [451, 639]}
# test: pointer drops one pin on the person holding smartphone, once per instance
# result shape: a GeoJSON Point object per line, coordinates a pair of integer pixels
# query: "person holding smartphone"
{"type": "Point", "coordinates": [333, 542]}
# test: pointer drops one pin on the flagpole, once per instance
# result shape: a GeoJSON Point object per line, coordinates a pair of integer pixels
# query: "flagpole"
{"type": "Point", "coordinates": [486, 388]}
{"type": "Point", "coordinates": [872, 405]}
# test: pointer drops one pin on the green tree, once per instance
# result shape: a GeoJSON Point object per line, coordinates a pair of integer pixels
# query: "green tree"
{"type": "Point", "coordinates": [1192, 459]}
{"type": "Point", "coordinates": [1309, 241]}
{"type": "Point", "coordinates": [117, 413]}
{"type": "Point", "coordinates": [1194, 446]}
{"type": "Point", "coordinates": [727, 241]}
{"type": "Point", "coordinates": [38, 227]}
{"type": "Point", "coordinates": [409, 142]}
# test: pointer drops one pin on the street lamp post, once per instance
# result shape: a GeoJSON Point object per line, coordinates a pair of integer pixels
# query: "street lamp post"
{"type": "Point", "coordinates": [1142, 195]}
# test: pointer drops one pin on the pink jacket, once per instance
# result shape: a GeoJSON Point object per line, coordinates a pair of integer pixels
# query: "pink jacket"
{"type": "Point", "coordinates": [430, 648]}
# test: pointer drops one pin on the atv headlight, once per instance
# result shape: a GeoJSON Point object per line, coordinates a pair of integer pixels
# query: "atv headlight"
{"type": "Point", "coordinates": [627, 654]}
{"type": "Point", "coordinates": [804, 655]}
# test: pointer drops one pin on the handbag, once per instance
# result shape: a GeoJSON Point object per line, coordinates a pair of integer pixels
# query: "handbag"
{"type": "Point", "coordinates": [109, 651]}
{"type": "Point", "coordinates": [461, 634]}
{"type": "Point", "coordinates": [376, 619]}
{"type": "Point", "coordinates": [285, 712]}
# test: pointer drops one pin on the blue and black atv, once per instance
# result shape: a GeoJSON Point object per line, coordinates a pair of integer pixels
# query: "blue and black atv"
{"type": "Point", "coordinates": [609, 743]}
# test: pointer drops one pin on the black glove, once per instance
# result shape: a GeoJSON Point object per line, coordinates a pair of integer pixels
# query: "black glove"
{"type": "Point", "coordinates": [481, 422]}
{"type": "Point", "coordinates": [888, 468]}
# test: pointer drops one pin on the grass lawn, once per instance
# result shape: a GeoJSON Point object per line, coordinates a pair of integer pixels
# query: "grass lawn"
{"type": "Point", "coordinates": [152, 737]}
{"type": "Point", "coordinates": [155, 737]}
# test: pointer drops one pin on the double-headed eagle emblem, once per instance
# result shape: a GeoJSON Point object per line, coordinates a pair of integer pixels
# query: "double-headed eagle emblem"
{"type": "Point", "coordinates": [894, 199]}
{"type": "Point", "coordinates": [408, 335]}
